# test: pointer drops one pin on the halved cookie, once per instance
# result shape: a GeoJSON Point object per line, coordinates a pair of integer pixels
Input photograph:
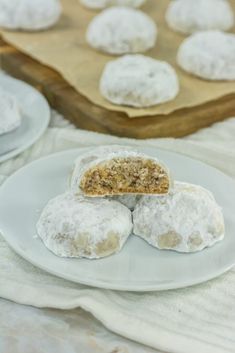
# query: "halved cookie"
{"type": "Point", "coordinates": [117, 170]}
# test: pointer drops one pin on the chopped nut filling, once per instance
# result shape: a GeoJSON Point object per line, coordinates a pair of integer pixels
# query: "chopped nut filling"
{"type": "Point", "coordinates": [125, 175]}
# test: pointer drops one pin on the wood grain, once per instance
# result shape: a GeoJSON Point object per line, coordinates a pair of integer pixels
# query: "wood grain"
{"type": "Point", "coordinates": [86, 115]}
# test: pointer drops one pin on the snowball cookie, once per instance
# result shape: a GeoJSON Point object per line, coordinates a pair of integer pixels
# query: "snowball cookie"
{"type": "Point", "coordinates": [188, 16]}
{"type": "Point", "coordinates": [121, 30]}
{"type": "Point", "coordinates": [84, 227]}
{"type": "Point", "coordinates": [188, 219]}
{"type": "Point", "coordinates": [118, 170]}
{"type": "Point", "coordinates": [30, 15]}
{"type": "Point", "coordinates": [101, 4]}
{"type": "Point", "coordinates": [10, 117]}
{"type": "Point", "coordinates": [209, 55]}
{"type": "Point", "coordinates": [138, 81]}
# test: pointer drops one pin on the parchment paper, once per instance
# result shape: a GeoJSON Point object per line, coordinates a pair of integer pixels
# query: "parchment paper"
{"type": "Point", "coordinates": [64, 48]}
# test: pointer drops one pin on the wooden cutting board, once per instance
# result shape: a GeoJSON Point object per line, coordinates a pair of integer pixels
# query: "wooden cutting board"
{"type": "Point", "coordinates": [86, 115]}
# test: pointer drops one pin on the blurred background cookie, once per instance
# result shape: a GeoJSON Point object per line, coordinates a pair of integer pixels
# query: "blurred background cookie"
{"type": "Point", "coordinates": [121, 30]}
{"type": "Point", "coordinates": [139, 81]}
{"type": "Point", "coordinates": [188, 16]}
{"type": "Point", "coordinates": [209, 55]}
{"type": "Point", "coordinates": [10, 117]}
{"type": "Point", "coordinates": [29, 15]}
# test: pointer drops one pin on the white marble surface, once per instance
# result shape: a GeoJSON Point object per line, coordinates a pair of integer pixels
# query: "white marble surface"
{"type": "Point", "coordinates": [24, 329]}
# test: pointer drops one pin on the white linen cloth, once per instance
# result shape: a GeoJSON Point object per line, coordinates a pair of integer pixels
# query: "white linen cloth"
{"type": "Point", "coordinates": [197, 319]}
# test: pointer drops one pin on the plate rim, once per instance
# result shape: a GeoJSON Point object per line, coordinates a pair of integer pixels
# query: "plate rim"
{"type": "Point", "coordinates": [101, 283]}
{"type": "Point", "coordinates": [44, 125]}
{"type": "Point", "coordinates": [119, 287]}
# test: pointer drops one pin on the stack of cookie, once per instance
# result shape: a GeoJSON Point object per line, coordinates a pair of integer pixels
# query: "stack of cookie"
{"type": "Point", "coordinates": [114, 190]}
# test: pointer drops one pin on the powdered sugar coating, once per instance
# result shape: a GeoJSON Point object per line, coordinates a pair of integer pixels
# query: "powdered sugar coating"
{"type": "Point", "coordinates": [84, 227]}
{"type": "Point", "coordinates": [209, 55]}
{"type": "Point", "coordinates": [104, 153]}
{"type": "Point", "coordinates": [10, 117]}
{"type": "Point", "coordinates": [101, 4]}
{"type": "Point", "coordinates": [129, 201]}
{"type": "Point", "coordinates": [188, 16]}
{"type": "Point", "coordinates": [186, 220]}
{"type": "Point", "coordinates": [120, 30]}
{"type": "Point", "coordinates": [139, 81]}
{"type": "Point", "coordinates": [29, 14]}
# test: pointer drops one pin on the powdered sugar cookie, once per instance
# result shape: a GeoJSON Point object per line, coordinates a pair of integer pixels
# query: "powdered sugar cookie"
{"type": "Point", "coordinates": [118, 170]}
{"type": "Point", "coordinates": [138, 81]}
{"type": "Point", "coordinates": [121, 30]}
{"type": "Point", "coordinates": [84, 227]}
{"type": "Point", "coordinates": [209, 55]}
{"type": "Point", "coordinates": [101, 4]}
{"type": "Point", "coordinates": [188, 219]}
{"type": "Point", "coordinates": [30, 15]}
{"type": "Point", "coordinates": [10, 117]}
{"type": "Point", "coordinates": [188, 16]}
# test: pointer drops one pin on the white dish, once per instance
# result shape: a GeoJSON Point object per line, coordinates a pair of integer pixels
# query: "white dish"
{"type": "Point", "coordinates": [35, 118]}
{"type": "Point", "coordinates": [138, 267]}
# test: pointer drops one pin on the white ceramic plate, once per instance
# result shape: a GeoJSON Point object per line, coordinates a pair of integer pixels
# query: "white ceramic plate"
{"type": "Point", "coordinates": [35, 118]}
{"type": "Point", "coordinates": [138, 267]}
